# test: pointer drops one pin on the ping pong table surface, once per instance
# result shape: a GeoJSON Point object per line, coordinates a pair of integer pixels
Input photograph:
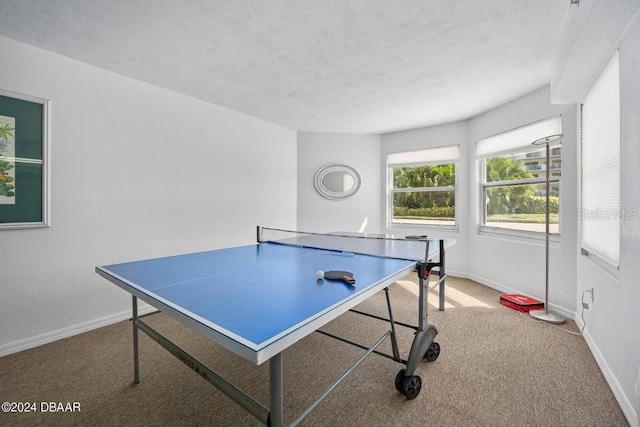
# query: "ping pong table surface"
{"type": "Point", "coordinates": [254, 300]}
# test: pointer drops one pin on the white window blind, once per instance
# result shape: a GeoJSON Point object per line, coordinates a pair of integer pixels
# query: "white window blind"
{"type": "Point", "coordinates": [600, 210]}
{"type": "Point", "coordinates": [446, 154]}
{"type": "Point", "coordinates": [519, 139]}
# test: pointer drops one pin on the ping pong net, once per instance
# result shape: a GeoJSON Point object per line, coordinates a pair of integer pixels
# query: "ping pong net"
{"type": "Point", "coordinates": [413, 248]}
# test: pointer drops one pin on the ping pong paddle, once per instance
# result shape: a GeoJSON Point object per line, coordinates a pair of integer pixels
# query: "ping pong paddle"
{"type": "Point", "coordinates": [344, 276]}
{"type": "Point", "coordinates": [424, 237]}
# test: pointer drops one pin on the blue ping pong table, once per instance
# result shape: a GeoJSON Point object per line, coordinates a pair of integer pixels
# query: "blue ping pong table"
{"type": "Point", "coordinates": [258, 300]}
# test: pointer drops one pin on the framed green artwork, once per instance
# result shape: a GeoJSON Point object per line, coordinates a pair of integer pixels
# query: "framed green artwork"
{"type": "Point", "coordinates": [24, 162]}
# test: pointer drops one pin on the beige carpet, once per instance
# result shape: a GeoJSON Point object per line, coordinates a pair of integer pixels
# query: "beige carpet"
{"type": "Point", "coordinates": [496, 368]}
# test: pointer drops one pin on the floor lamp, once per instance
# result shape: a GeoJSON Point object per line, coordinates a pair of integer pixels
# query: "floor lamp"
{"type": "Point", "coordinates": [545, 314]}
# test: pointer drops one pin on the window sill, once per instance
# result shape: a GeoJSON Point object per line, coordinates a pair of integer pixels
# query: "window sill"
{"type": "Point", "coordinates": [415, 226]}
{"type": "Point", "coordinates": [522, 235]}
{"type": "Point", "coordinates": [611, 270]}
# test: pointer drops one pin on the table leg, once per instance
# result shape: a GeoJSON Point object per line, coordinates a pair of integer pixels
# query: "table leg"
{"type": "Point", "coordinates": [276, 407]}
{"type": "Point", "coordinates": [423, 296]}
{"type": "Point", "coordinates": [394, 336]}
{"type": "Point", "coordinates": [136, 364]}
{"type": "Point", "coordinates": [441, 274]}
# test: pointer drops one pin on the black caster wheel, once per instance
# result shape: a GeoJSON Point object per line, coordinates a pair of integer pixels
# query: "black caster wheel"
{"type": "Point", "coordinates": [432, 352]}
{"type": "Point", "coordinates": [411, 387]}
{"type": "Point", "coordinates": [399, 380]}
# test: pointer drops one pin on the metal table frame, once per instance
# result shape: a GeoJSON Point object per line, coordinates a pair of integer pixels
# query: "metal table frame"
{"type": "Point", "coordinates": [274, 414]}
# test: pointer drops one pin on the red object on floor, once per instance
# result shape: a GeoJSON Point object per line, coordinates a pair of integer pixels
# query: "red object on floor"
{"type": "Point", "coordinates": [521, 302]}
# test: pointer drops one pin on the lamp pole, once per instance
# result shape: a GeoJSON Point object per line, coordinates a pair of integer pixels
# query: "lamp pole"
{"type": "Point", "coordinates": [546, 315]}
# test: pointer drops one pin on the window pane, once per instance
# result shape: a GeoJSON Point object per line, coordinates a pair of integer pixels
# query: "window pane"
{"type": "Point", "coordinates": [522, 207]}
{"type": "Point", "coordinates": [524, 165]}
{"type": "Point", "coordinates": [424, 207]}
{"type": "Point", "coordinates": [424, 176]}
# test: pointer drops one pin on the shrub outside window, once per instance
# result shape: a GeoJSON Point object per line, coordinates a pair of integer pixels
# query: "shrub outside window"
{"type": "Point", "coordinates": [422, 187]}
{"type": "Point", "coordinates": [513, 179]}
{"type": "Point", "coordinates": [514, 191]}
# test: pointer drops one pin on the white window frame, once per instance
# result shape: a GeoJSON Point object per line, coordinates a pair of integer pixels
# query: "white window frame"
{"type": "Point", "coordinates": [444, 157]}
{"type": "Point", "coordinates": [523, 136]}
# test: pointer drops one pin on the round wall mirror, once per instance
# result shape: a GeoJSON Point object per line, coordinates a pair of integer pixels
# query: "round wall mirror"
{"type": "Point", "coordinates": [337, 181]}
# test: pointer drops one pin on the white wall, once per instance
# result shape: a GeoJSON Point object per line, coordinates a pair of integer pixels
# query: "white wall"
{"type": "Point", "coordinates": [507, 264]}
{"type": "Point", "coordinates": [613, 320]}
{"type": "Point", "coordinates": [137, 172]}
{"type": "Point", "coordinates": [431, 137]}
{"type": "Point", "coordinates": [620, 304]}
{"type": "Point", "coordinates": [518, 264]}
{"type": "Point", "coordinates": [362, 152]}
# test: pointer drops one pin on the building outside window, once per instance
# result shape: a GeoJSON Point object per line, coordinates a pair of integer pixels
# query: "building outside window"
{"type": "Point", "coordinates": [513, 179]}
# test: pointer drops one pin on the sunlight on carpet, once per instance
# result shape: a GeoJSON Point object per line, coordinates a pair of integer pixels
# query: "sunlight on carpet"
{"type": "Point", "coordinates": [451, 293]}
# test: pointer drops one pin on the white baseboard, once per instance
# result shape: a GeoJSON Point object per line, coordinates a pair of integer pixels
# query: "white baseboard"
{"type": "Point", "coordinates": [505, 289]}
{"type": "Point", "coordinates": [38, 340]}
{"type": "Point", "coordinates": [623, 401]}
{"type": "Point", "coordinates": [621, 398]}
{"type": "Point", "coordinates": [457, 274]}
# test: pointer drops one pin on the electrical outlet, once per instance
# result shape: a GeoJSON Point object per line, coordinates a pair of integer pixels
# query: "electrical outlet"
{"type": "Point", "coordinates": [584, 304]}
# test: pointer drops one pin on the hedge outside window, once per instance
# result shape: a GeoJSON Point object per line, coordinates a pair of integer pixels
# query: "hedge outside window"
{"type": "Point", "coordinates": [514, 179]}
{"type": "Point", "coordinates": [515, 192]}
{"type": "Point", "coordinates": [423, 187]}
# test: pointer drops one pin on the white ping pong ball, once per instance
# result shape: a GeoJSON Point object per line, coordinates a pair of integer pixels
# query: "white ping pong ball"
{"type": "Point", "coordinates": [320, 274]}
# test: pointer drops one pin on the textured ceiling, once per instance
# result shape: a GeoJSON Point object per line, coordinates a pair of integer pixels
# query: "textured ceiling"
{"type": "Point", "coordinates": [361, 66]}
